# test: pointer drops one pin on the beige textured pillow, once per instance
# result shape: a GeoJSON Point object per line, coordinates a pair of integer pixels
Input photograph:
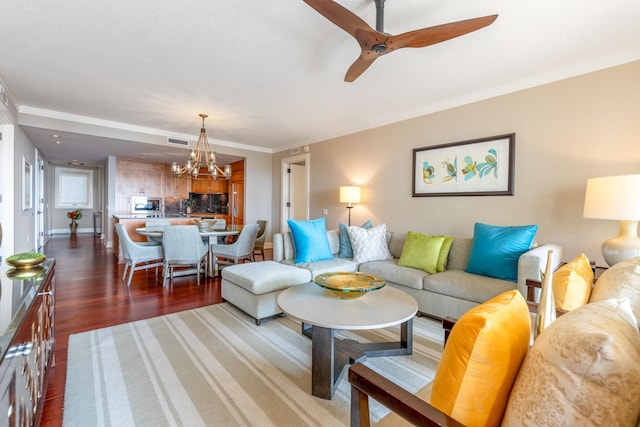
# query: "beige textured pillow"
{"type": "Point", "coordinates": [583, 370]}
{"type": "Point", "coordinates": [620, 281]}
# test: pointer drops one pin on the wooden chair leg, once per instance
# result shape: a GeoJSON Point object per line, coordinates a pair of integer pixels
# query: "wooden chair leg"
{"type": "Point", "coordinates": [359, 408]}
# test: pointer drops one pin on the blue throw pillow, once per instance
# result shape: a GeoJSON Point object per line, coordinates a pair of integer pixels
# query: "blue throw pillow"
{"type": "Point", "coordinates": [346, 251]}
{"type": "Point", "coordinates": [310, 240]}
{"type": "Point", "coordinates": [495, 250]}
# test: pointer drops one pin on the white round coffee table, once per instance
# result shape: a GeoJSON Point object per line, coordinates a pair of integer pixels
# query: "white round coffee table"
{"type": "Point", "coordinates": [322, 313]}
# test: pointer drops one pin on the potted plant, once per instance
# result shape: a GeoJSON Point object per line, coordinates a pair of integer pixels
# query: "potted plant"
{"type": "Point", "coordinates": [189, 203]}
{"type": "Point", "coordinates": [74, 216]}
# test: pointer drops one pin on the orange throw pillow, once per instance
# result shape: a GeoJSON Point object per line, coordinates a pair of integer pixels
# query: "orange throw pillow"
{"type": "Point", "coordinates": [481, 360]}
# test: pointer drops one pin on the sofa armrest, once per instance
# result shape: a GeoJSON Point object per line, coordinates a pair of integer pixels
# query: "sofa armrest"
{"type": "Point", "coordinates": [532, 263]}
{"type": "Point", "coordinates": [366, 382]}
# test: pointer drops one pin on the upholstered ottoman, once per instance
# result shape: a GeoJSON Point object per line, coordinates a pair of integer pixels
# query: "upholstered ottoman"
{"type": "Point", "coordinates": [254, 287]}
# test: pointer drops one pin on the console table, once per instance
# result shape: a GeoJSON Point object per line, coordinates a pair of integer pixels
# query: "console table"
{"type": "Point", "coordinates": [26, 341]}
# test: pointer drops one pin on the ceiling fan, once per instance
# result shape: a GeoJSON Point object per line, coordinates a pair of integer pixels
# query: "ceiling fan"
{"type": "Point", "coordinates": [375, 43]}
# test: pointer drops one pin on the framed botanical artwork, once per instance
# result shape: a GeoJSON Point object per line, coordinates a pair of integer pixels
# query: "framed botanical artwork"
{"type": "Point", "coordinates": [477, 167]}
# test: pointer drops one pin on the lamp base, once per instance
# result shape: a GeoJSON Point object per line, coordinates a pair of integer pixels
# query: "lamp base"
{"type": "Point", "coordinates": [623, 247]}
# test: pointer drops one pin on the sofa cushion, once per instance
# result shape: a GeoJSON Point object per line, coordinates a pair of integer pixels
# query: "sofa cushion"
{"type": "Point", "coordinates": [310, 240]}
{"type": "Point", "coordinates": [496, 249]}
{"type": "Point", "coordinates": [584, 369]}
{"type": "Point", "coordinates": [443, 256]}
{"type": "Point", "coordinates": [396, 243]}
{"type": "Point", "coordinates": [369, 244]}
{"type": "Point", "coordinates": [466, 286]}
{"type": "Point", "coordinates": [325, 266]}
{"type": "Point", "coordinates": [421, 251]}
{"type": "Point", "coordinates": [481, 360]}
{"type": "Point", "coordinates": [459, 253]}
{"type": "Point", "coordinates": [572, 284]}
{"type": "Point", "coordinates": [345, 243]}
{"type": "Point", "coordinates": [265, 276]}
{"type": "Point", "coordinates": [620, 281]}
{"type": "Point", "coordinates": [393, 273]}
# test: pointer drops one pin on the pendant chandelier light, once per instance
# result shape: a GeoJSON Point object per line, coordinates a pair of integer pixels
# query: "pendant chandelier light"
{"type": "Point", "coordinates": [202, 156]}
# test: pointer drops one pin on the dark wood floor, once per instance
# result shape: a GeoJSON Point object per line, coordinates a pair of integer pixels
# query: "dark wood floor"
{"type": "Point", "coordinates": [90, 294]}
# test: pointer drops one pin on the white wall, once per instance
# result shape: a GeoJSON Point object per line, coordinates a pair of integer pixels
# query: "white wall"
{"type": "Point", "coordinates": [566, 132]}
{"type": "Point", "coordinates": [24, 220]}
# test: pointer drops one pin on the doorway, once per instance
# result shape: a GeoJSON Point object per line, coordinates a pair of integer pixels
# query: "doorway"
{"type": "Point", "coordinates": [40, 206]}
{"type": "Point", "coordinates": [295, 189]}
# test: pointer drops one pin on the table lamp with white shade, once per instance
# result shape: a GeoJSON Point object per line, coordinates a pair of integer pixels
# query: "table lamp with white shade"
{"type": "Point", "coordinates": [617, 198]}
{"type": "Point", "coordinates": [349, 194]}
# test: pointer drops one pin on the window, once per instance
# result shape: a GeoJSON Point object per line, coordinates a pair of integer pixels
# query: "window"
{"type": "Point", "coordinates": [74, 188]}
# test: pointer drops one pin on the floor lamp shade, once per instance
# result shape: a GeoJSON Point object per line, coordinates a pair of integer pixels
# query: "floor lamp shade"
{"type": "Point", "coordinates": [349, 194]}
{"type": "Point", "coordinates": [616, 198]}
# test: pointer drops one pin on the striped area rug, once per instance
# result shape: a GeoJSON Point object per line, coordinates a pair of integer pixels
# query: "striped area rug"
{"type": "Point", "coordinates": [212, 366]}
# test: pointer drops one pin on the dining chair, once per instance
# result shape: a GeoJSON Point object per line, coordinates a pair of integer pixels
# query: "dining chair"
{"type": "Point", "coordinates": [182, 247]}
{"type": "Point", "coordinates": [156, 225]}
{"type": "Point", "coordinates": [221, 224]}
{"type": "Point", "coordinates": [240, 250]}
{"type": "Point", "coordinates": [258, 246]}
{"type": "Point", "coordinates": [137, 255]}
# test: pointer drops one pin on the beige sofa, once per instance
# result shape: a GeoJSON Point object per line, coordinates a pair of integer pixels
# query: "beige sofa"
{"type": "Point", "coordinates": [449, 293]}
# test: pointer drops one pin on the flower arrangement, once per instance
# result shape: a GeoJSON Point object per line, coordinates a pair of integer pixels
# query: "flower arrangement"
{"type": "Point", "coordinates": [77, 214]}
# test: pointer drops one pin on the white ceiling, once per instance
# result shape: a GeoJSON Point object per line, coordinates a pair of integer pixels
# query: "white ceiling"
{"type": "Point", "coordinates": [270, 73]}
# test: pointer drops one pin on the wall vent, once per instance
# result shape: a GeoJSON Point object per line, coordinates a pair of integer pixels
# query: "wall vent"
{"type": "Point", "coordinates": [177, 142]}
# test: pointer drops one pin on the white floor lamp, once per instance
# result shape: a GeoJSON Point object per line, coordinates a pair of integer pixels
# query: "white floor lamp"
{"type": "Point", "coordinates": [617, 198]}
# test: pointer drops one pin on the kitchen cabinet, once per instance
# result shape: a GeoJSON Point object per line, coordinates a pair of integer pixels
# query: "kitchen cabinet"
{"type": "Point", "coordinates": [139, 178]}
{"type": "Point", "coordinates": [176, 187]}
{"type": "Point", "coordinates": [27, 337]}
{"type": "Point", "coordinates": [236, 193]}
{"type": "Point", "coordinates": [209, 185]}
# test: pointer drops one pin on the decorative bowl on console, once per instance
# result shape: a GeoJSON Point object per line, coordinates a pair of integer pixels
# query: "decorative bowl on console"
{"type": "Point", "coordinates": [349, 285]}
{"type": "Point", "coordinates": [26, 260]}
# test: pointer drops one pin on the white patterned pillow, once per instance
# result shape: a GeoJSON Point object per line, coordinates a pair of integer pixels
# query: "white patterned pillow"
{"type": "Point", "coordinates": [369, 244]}
{"type": "Point", "coordinates": [584, 369]}
{"type": "Point", "coordinates": [620, 281]}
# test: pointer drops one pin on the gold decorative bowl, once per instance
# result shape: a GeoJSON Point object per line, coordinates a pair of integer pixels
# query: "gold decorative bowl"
{"type": "Point", "coordinates": [26, 260]}
{"type": "Point", "coordinates": [24, 273]}
{"type": "Point", "coordinates": [349, 285]}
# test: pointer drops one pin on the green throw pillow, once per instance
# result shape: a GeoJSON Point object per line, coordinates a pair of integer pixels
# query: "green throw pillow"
{"type": "Point", "coordinates": [421, 251]}
{"type": "Point", "coordinates": [443, 256]}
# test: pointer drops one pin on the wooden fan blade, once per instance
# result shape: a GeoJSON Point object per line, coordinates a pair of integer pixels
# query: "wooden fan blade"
{"type": "Point", "coordinates": [339, 15]}
{"type": "Point", "coordinates": [360, 65]}
{"type": "Point", "coordinates": [439, 33]}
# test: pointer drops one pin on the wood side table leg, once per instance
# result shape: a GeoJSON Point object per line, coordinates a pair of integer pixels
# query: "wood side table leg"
{"type": "Point", "coordinates": [322, 362]}
{"type": "Point", "coordinates": [406, 335]}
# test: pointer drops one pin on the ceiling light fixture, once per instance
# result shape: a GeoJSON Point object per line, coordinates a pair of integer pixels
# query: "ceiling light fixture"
{"type": "Point", "coordinates": [199, 157]}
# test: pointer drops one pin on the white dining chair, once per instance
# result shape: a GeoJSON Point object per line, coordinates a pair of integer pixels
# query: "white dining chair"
{"type": "Point", "coordinates": [137, 255]}
{"type": "Point", "coordinates": [240, 250]}
{"type": "Point", "coordinates": [156, 225]}
{"type": "Point", "coordinates": [183, 247]}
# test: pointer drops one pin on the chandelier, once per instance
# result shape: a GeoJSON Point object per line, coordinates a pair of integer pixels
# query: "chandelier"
{"type": "Point", "coordinates": [202, 156]}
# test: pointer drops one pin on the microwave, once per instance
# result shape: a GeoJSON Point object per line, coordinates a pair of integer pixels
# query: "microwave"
{"type": "Point", "coordinates": [144, 205]}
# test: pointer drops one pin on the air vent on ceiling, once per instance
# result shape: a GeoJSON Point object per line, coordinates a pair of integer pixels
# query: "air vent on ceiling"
{"type": "Point", "coordinates": [177, 142]}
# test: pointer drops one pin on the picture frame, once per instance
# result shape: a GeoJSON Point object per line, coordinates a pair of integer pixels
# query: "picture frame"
{"type": "Point", "coordinates": [476, 167]}
{"type": "Point", "coordinates": [27, 181]}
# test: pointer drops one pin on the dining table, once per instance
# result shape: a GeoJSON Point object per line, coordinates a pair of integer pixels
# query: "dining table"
{"type": "Point", "coordinates": [211, 236]}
